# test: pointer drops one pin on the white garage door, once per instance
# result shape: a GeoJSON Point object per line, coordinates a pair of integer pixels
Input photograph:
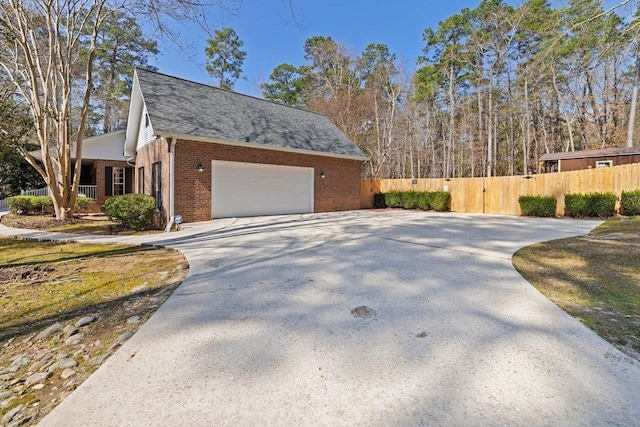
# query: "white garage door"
{"type": "Point", "coordinates": [251, 189]}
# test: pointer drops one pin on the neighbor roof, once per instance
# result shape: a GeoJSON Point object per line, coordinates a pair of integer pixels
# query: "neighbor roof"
{"type": "Point", "coordinates": [181, 107]}
{"type": "Point", "coordinates": [583, 154]}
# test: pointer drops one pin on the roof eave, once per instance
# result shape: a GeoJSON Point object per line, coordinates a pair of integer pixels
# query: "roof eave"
{"type": "Point", "coordinates": [259, 146]}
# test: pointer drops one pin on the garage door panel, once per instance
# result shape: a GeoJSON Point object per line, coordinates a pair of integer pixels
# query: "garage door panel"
{"type": "Point", "coordinates": [249, 189]}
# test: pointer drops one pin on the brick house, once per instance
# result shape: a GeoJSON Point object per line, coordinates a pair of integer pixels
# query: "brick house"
{"type": "Point", "coordinates": [105, 171]}
{"type": "Point", "coordinates": [588, 159]}
{"type": "Point", "coordinates": [205, 153]}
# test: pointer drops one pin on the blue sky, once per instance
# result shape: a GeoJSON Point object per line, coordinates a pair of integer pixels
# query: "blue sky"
{"type": "Point", "coordinates": [270, 40]}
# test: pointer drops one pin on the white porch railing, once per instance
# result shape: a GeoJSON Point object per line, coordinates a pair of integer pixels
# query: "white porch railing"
{"type": "Point", "coordinates": [83, 191]}
{"type": "Point", "coordinates": [39, 192]}
{"type": "Point", "coordinates": [4, 204]}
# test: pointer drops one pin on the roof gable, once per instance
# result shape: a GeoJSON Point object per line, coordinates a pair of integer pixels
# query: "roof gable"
{"type": "Point", "coordinates": [181, 107]}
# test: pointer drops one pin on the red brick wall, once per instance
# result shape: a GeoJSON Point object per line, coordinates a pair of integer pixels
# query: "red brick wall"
{"type": "Point", "coordinates": [99, 171]}
{"type": "Point", "coordinates": [157, 151]}
{"type": "Point", "coordinates": [339, 190]}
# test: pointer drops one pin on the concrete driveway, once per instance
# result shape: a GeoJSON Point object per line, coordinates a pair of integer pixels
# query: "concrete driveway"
{"type": "Point", "coordinates": [360, 318]}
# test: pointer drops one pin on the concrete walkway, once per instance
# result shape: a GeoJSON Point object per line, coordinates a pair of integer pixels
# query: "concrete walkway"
{"type": "Point", "coordinates": [358, 318]}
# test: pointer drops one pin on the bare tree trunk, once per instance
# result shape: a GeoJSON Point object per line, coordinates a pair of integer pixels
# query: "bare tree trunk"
{"type": "Point", "coordinates": [634, 99]}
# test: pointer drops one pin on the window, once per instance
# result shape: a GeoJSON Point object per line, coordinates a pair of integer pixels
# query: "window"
{"type": "Point", "coordinates": [156, 183]}
{"type": "Point", "coordinates": [147, 122]}
{"type": "Point", "coordinates": [141, 180]}
{"type": "Point", "coordinates": [118, 181]}
{"type": "Point", "coordinates": [604, 163]}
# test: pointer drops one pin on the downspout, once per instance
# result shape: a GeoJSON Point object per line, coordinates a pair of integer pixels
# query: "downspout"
{"type": "Point", "coordinates": [172, 175]}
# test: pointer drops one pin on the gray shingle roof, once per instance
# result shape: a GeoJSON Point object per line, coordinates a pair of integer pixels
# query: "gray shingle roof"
{"type": "Point", "coordinates": [182, 107]}
{"type": "Point", "coordinates": [582, 154]}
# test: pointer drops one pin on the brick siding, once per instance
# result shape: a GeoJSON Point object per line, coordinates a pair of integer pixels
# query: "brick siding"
{"type": "Point", "coordinates": [156, 151]}
{"type": "Point", "coordinates": [99, 174]}
{"type": "Point", "coordinates": [339, 190]}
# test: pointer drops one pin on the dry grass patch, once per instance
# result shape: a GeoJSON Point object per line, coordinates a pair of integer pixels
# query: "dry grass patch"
{"type": "Point", "coordinates": [81, 224]}
{"type": "Point", "coordinates": [595, 278]}
{"type": "Point", "coordinates": [44, 283]}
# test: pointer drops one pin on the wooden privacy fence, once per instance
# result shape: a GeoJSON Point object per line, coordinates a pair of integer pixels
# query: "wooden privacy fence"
{"type": "Point", "coordinates": [499, 195]}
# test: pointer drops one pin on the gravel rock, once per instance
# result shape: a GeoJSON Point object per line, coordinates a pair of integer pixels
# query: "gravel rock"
{"type": "Point", "coordinates": [63, 364]}
{"type": "Point", "coordinates": [67, 373]}
{"type": "Point", "coordinates": [85, 321]}
{"type": "Point", "coordinates": [133, 319]}
{"type": "Point", "coordinates": [125, 336]}
{"type": "Point", "coordinates": [6, 402]}
{"type": "Point", "coordinates": [70, 330]}
{"type": "Point", "coordinates": [74, 339]}
{"type": "Point", "coordinates": [11, 414]}
{"type": "Point", "coordinates": [38, 386]}
{"type": "Point", "coordinates": [140, 288]}
{"type": "Point", "coordinates": [36, 378]}
{"type": "Point", "coordinates": [28, 339]}
{"type": "Point", "coordinates": [49, 331]}
{"type": "Point", "coordinates": [18, 362]}
{"type": "Point", "coordinates": [99, 359]}
{"type": "Point", "coordinates": [5, 394]}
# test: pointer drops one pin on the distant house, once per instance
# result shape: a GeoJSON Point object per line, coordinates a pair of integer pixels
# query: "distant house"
{"type": "Point", "coordinates": [104, 171]}
{"type": "Point", "coordinates": [204, 153]}
{"type": "Point", "coordinates": [588, 159]}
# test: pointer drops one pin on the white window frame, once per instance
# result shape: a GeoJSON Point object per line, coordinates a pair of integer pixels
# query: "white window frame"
{"type": "Point", "coordinates": [604, 163]}
{"type": "Point", "coordinates": [118, 187]}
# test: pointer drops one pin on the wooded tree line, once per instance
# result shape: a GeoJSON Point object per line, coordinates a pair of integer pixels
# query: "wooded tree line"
{"type": "Point", "coordinates": [497, 87]}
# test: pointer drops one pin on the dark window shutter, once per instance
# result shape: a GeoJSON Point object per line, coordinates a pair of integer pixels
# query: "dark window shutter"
{"type": "Point", "coordinates": [128, 181]}
{"type": "Point", "coordinates": [108, 181]}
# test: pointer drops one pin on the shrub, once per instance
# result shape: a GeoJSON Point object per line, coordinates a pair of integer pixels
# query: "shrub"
{"type": "Point", "coordinates": [423, 200]}
{"type": "Point", "coordinates": [131, 210]}
{"type": "Point", "coordinates": [379, 201]}
{"type": "Point", "coordinates": [41, 204]}
{"type": "Point", "coordinates": [440, 201]}
{"type": "Point", "coordinates": [393, 199]}
{"type": "Point", "coordinates": [409, 199]}
{"type": "Point", "coordinates": [630, 202]}
{"type": "Point", "coordinates": [21, 204]}
{"type": "Point", "coordinates": [602, 205]}
{"type": "Point", "coordinates": [82, 203]}
{"type": "Point", "coordinates": [575, 205]}
{"type": "Point", "coordinates": [538, 205]}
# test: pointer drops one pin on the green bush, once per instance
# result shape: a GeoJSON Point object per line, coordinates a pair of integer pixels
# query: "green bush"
{"type": "Point", "coordinates": [131, 210]}
{"type": "Point", "coordinates": [602, 205]}
{"type": "Point", "coordinates": [409, 199]}
{"type": "Point", "coordinates": [379, 201]}
{"type": "Point", "coordinates": [538, 205]}
{"type": "Point", "coordinates": [41, 205]}
{"type": "Point", "coordinates": [20, 204]}
{"type": "Point", "coordinates": [38, 205]}
{"type": "Point", "coordinates": [82, 203]}
{"type": "Point", "coordinates": [575, 205]}
{"type": "Point", "coordinates": [423, 200]}
{"type": "Point", "coordinates": [630, 202]}
{"type": "Point", "coordinates": [440, 201]}
{"type": "Point", "coordinates": [393, 199]}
